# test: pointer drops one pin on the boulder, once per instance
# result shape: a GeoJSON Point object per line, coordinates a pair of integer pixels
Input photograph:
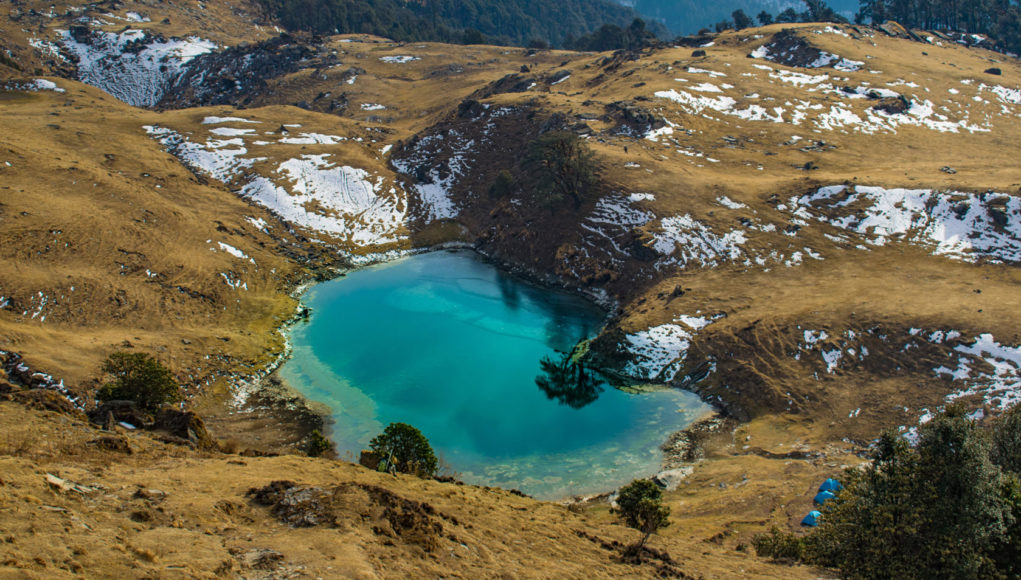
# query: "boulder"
{"type": "Point", "coordinates": [671, 478]}
{"type": "Point", "coordinates": [892, 105]}
{"type": "Point", "coordinates": [632, 119]}
{"type": "Point", "coordinates": [185, 425]}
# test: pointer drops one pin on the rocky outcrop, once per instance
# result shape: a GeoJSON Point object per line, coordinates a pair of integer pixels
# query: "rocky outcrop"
{"type": "Point", "coordinates": [240, 74]}
{"type": "Point", "coordinates": [185, 425]}
{"type": "Point", "coordinates": [631, 119]}
{"type": "Point", "coordinates": [305, 506]}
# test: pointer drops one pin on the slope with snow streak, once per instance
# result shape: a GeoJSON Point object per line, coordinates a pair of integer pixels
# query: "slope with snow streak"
{"type": "Point", "coordinates": [131, 65]}
{"type": "Point", "coordinates": [309, 191]}
{"type": "Point", "coordinates": [853, 111]}
{"type": "Point", "coordinates": [962, 226]}
{"type": "Point", "coordinates": [658, 354]}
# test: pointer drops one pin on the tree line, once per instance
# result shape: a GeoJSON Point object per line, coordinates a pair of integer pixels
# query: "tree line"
{"type": "Point", "coordinates": [999, 19]}
{"type": "Point", "coordinates": [503, 22]}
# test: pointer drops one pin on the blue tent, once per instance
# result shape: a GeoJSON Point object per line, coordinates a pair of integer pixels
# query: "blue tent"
{"type": "Point", "coordinates": [822, 496]}
{"type": "Point", "coordinates": [812, 519]}
{"type": "Point", "coordinates": [831, 485]}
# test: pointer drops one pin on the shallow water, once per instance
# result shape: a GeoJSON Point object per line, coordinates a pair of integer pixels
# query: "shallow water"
{"type": "Point", "coordinates": [448, 343]}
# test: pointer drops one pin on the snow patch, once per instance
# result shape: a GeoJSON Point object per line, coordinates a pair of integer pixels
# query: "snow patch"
{"type": "Point", "coordinates": [962, 226]}
{"type": "Point", "coordinates": [131, 65]}
{"type": "Point", "coordinates": [729, 203]}
{"type": "Point", "coordinates": [402, 59]}
{"type": "Point", "coordinates": [684, 240]}
{"type": "Point", "coordinates": [221, 120]}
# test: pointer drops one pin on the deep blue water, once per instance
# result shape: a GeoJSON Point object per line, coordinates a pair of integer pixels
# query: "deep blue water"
{"type": "Point", "coordinates": [448, 343]}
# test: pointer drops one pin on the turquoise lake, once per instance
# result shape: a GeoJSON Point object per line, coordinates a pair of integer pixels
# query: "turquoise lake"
{"type": "Point", "coordinates": [446, 342]}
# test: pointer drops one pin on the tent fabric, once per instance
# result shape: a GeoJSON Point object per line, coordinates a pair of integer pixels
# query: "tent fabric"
{"type": "Point", "coordinates": [822, 496]}
{"type": "Point", "coordinates": [831, 485]}
{"type": "Point", "coordinates": [812, 519]}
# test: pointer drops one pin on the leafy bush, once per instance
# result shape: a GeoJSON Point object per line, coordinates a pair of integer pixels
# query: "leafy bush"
{"type": "Point", "coordinates": [640, 505]}
{"type": "Point", "coordinates": [1006, 449]}
{"type": "Point", "coordinates": [317, 445]}
{"type": "Point", "coordinates": [405, 449]}
{"type": "Point", "coordinates": [565, 166]}
{"type": "Point", "coordinates": [502, 185]}
{"type": "Point", "coordinates": [781, 546]}
{"type": "Point", "coordinates": [140, 378]}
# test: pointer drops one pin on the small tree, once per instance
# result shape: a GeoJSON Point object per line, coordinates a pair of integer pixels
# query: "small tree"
{"type": "Point", "coordinates": [405, 449]}
{"type": "Point", "coordinates": [789, 15]}
{"type": "Point", "coordinates": [640, 506]}
{"type": "Point", "coordinates": [317, 445]}
{"type": "Point", "coordinates": [741, 20]}
{"type": "Point", "coordinates": [765, 18]}
{"type": "Point", "coordinates": [140, 378]}
{"type": "Point", "coordinates": [502, 185]}
{"type": "Point", "coordinates": [565, 166]}
{"type": "Point", "coordinates": [472, 36]}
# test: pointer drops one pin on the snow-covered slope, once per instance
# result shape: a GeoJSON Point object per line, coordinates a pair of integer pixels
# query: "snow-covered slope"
{"type": "Point", "coordinates": [131, 65]}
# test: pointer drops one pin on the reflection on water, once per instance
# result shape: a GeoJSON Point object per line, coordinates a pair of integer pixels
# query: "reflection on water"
{"type": "Point", "coordinates": [568, 382]}
{"type": "Point", "coordinates": [447, 343]}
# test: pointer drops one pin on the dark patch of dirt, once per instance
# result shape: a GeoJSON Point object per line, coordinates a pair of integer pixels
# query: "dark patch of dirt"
{"type": "Point", "coordinates": [392, 516]}
{"type": "Point", "coordinates": [512, 83]}
{"type": "Point", "coordinates": [892, 105]}
{"type": "Point", "coordinates": [662, 564]}
{"type": "Point", "coordinates": [112, 443]}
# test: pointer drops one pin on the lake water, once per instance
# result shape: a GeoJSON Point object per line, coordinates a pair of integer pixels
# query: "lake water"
{"type": "Point", "coordinates": [448, 343]}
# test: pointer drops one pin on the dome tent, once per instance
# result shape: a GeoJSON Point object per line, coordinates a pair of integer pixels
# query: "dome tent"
{"type": "Point", "coordinates": [822, 496]}
{"type": "Point", "coordinates": [812, 519]}
{"type": "Point", "coordinates": [831, 485]}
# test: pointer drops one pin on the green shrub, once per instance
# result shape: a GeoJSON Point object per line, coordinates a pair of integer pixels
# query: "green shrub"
{"type": "Point", "coordinates": [405, 449]}
{"type": "Point", "coordinates": [781, 546]}
{"type": "Point", "coordinates": [502, 185]}
{"type": "Point", "coordinates": [140, 378]}
{"type": "Point", "coordinates": [1006, 449]}
{"type": "Point", "coordinates": [565, 166]}
{"type": "Point", "coordinates": [317, 445]}
{"type": "Point", "coordinates": [640, 506]}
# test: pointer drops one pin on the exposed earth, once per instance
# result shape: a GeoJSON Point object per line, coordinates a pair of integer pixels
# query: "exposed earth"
{"type": "Point", "coordinates": [814, 227]}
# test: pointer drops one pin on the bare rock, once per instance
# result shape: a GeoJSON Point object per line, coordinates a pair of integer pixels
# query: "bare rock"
{"type": "Point", "coordinates": [185, 425]}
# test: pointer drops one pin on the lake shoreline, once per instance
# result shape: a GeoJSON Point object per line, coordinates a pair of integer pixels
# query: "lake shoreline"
{"type": "Point", "coordinates": [277, 397]}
